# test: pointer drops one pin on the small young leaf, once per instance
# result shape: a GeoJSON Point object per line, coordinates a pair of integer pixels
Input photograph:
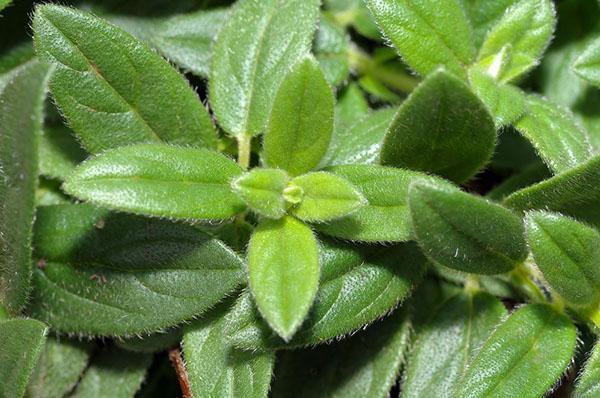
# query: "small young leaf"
{"type": "Point", "coordinates": [283, 271]}
{"type": "Point", "coordinates": [59, 152]}
{"type": "Point", "coordinates": [331, 50]}
{"type": "Point", "coordinates": [301, 123]}
{"type": "Point", "coordinates": [364, 365]}
{"type": "Point", "coordinates": [21, 104]}
{"type": "Point", "coordinates": [484, 15]}
{"type": "Point", "coordinates": [588, 382]}
{"type": "Point", "coordinates": [113, 373]}
{"type": "Point", "coordinates": [105, 274]}
{"type": "Point", "coordinates": [22, 342]}
{"type": "Point", "coordinates": [325, 197]}
{"type": "Point", "coordinates": [135, 179]}
{"type": "Point", "coordinates": [441, 128]}
{"type": "Point", "coordinates": [427, 34]}
{"type": "Point", "coordinates": [185, 40]}
{"type": "Point", "coordinates": [567, 253]}
{"type": "Point", "coordinates": [58, 370]}
{"type": "Point", "coordinates": [215, 368]}
{"type": "Point", "coordinates": [517, 41]}
{"type": "Point", "coordinates": [385, 217]}
{"type": "Point", "coordinates": [555, 133]}
{"type": "Point", "coordinates": [254, 50]}
{"type": "Point", "coordinates": [575, 193]}
{"type": "Point", "coordinates": [464, 232]}
{"type": "Point", "coordinates": [587, 65]}
{"type": "Point", "coordinates": [262, 190]}
{"type": "Point", "coordinates": [524, 356]}
{"type": "Point", "coordinates": [114, 90]}
{"type": "Point", "coordinates": [505, 102]}
{"type": "Point", "coordinates": [448, 342]}
{"type": "Point", "coordinates": [355, 289]}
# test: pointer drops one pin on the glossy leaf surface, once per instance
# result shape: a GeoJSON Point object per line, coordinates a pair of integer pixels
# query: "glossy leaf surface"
{"type": "Point", "coordinates": [464, 232]}
{"type": "Point", "coordinates": [254, 50]}
{"type": "Point", "coordinates": [114, 90]}
{"type": "Point", "coordinates": [105, 274]}
{"type": "Point", "coordinates": [301, 123]}
{"type": "Point", "coordinates": [135, 179]}
{"type": "Point", "coordinates": [442, 128]}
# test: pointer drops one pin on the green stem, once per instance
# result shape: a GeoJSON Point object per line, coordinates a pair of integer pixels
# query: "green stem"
{"type": "Point", "coordinates": [244, 150]}
{"type": "Point", "coordinates": [521, 276]}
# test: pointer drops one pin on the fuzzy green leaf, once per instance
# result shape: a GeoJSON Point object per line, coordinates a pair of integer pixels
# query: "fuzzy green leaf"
{"type": "Point", "coordinates": [567, 253]}
{"type": "Point", "coordinates": [448, 342]}
{"type": "Point", "coordinates": [441, 128]}
{"type": "Point", "coordinates": [325, 197]}
{"type": "Point", "coordinates": [105, 274]}
{"type": "Point", "coordinates": [484, 15]}
{"type": "Point", "coordinates": [262, 190]}
{"type": "Point", "coordinates": [575, 193]}
{"type": "Point", "coordinates": [283, 271]}
{"type": "Point", "coordinates": [152, 343]}
{"type": "Point", "coordinates": [113, 373]}
{"type": "Point", "coordinates": [359, 143]}
{"type": "Point", "coordinates": [517, 41]}
{"type": "Point", "coordinates": [356, 288]}
{"type": "Point", "coordinates": [113, 89]}
{"type": "Point", "coordinates": [22, 342]}
{"type": "Point", "coordinates": [555, 133]}
{"type": "Point", "coordinates": [364, 365]}
{"type": "Point", "coordinates": [465, 232]}
{"type": "Point", "coordinates": [185, 40]}
{"type": "Point", "coordinates": [505, 102]}
{"type": "Point", "coordinates": [351, 107]}
{"type": "Point", "coordinates": [215, 368]}
{"type": "Point", "coordinates": [587, 65]}
{"type": "Point", "coordinates": [58, 370]}
{"type": "Point", "coordinates": [385, 217]}
{"type": "Point", "coordinates": [524, 357]}
{"type": "Point", "coordinates": [254, 50]}
{"type": "Point", "coordinates": [588, 382]}
{"type": "Point", "coordinates": [21, 101]}
{"type": "Point", "coordinates": [59, 152]}
{"type": "Point", "coordinates": [135, 178]}
{"type": "Point", "coordinates": [427, 33]}
{"type": "Point", "coordinates": [301, 123]}
{"type": "Point", "coordinates": [530, 175]}
{"type": "Point", "coordinates": [331, 50]}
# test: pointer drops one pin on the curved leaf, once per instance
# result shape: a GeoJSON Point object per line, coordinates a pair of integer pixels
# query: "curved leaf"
{"type": "Point", "coordinates": [588, 382]}
{"type": "Point", "coordinates": [587, 65]}
{"type": "Point", "coordinates": [262, 190]}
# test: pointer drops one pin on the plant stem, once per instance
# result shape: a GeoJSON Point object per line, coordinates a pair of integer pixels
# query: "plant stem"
{"type": "Point", "coordinates": [182, 376]}
{"type": "Point", "coordinates": [521, 276]}
{"type": "Point", "coordinates": [244, 150]}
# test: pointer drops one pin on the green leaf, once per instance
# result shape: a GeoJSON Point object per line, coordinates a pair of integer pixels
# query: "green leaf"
{"type": "Point", "coordinates": [555, 133]}
{"type": "Point", "coordinates": [447, 343]}
{"type": "Point", "coordinates": [441, 128]}
{"type": "Point", "coordinates": [443, 26]}
{"type": "Point", "coordinates": [61, 363]}
{"type": "Point", "coordinates": [359, 143]}
{"type": "Point", "coordinates": [356, 288]}
{"type": "Point", "coordinates": [152, 343]}
{"type": "Point", "coordinates": [524, 357]}
{"type": "Point", "coordinates": [283, 272]}
{"type": "Point", "coordinates": [364, 365]}
{"type": "Point", "coordinates": [385, 217]}
{"type": "Point", "coordinates": [575, 193]}
{"type": "Point", "coordinates": [505, 102]}
{"type": "Point", "coordinates": [114, 90]}
{"type": "Point", "coordinates": [530, 175]}
{"type": "Point", "coordinates": [587, 65]}
{"type": "Point", "coordinates": [465, 232]}
{"type": "Point", "coordinates": [262, 190]}
{"type": "Point", "coordinates": [301, 123]}
{"type": "Point", "coordinates": [484, 15]}
{"type": "Point", "coordinates": [567, 253]}
{"type": "Point", "coordinates": [106, 274]}
{"type": "Point", "coordinates": [325, 197]}
{"type": "Point", "coordinates": [22, 342]}
{"type": "Point", "coordinates": [588, 382]}
{"type": "Point", "coordinates": [135, 179]}
{"type": "Point", "coordinates": [59, 152]}
{"type": "Point", "coordinates": [185, 40]}
{"type": "Point", "coordinates": [21, 102]}
{"type": "Point", "coordinates": [4, 4]}
{"type": "Point", "coordinates": [351, 107]}
{"type": "Point", "coordinates": [516, 42]}
{"type": "Point", "coordinates": [113, 373]}
{"type": "Point", "coordinates": [215, 368]}
{"type": "Point", "coordinates": [331, 50]}
{"type": "Point", "coordinates": [254, 50]}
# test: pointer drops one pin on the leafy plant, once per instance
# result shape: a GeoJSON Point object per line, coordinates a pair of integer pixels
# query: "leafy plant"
{"type": "Point", "coordinates": [271, 198]}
